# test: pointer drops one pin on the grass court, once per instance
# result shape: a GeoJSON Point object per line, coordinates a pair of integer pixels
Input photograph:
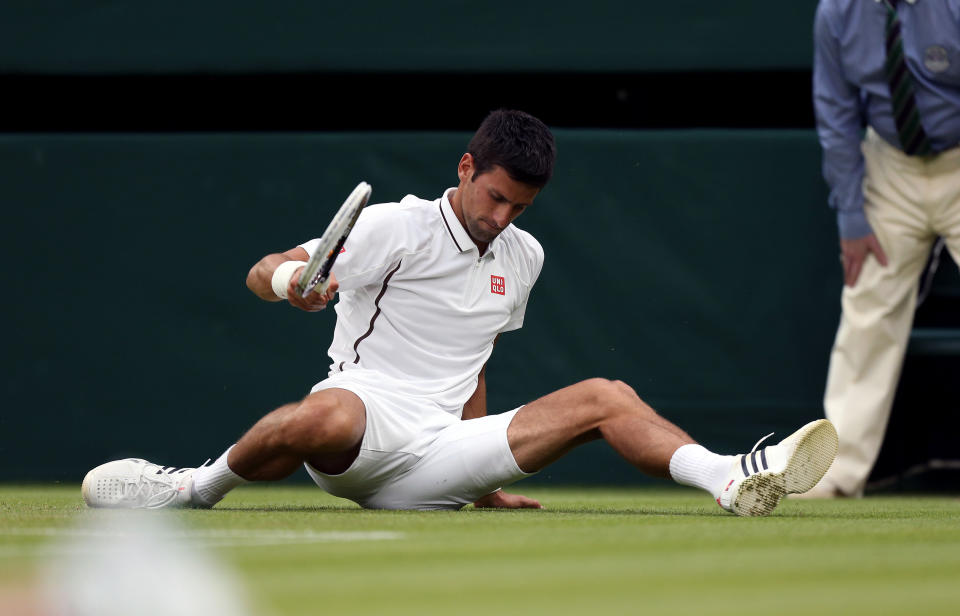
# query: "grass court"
{"type": "Point", "coordinates": [593, 551]}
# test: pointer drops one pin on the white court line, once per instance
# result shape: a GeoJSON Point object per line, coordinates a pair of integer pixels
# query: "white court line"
{"type": "Point", "coordinates": [196, 537]}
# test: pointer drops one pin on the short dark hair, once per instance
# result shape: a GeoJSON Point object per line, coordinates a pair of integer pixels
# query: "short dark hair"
{"type": "Point", "coordinates": [516, 141]}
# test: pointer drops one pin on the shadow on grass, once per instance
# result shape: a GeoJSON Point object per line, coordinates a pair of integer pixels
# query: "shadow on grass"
{"type": "Point", "coordinates": [292, 509]}
{"type": "Point", "coordinates": [650, 512]}
{"type": "Point", "coordinates": [547, 511]}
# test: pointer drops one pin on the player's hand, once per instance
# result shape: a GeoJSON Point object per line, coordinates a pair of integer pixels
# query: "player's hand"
{"type": "Point", "coordinates": [855, 252]}
{"type": "Point", "coordinates": [504, 500]}
{"type": "Point", "coordinates": [313, 302]}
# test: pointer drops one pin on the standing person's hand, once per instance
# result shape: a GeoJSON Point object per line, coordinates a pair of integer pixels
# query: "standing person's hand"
{"type": "Point", "coordinates": [855, 252]}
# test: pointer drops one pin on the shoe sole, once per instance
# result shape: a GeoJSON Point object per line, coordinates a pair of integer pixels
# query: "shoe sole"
{"type": "Point", "coordinates": [816, 448]}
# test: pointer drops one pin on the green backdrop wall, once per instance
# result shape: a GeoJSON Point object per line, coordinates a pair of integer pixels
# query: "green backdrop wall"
{"type": "Point", "coordinates": [698, 266]}
{"type": "Point", "coordinates": [90, 36]}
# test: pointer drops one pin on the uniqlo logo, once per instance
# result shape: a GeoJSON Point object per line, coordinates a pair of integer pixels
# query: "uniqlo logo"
{"type": "Point", "coordinates": [498, 285]}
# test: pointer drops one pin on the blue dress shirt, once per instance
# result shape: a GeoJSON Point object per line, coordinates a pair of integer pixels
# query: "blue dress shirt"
{"type": "Point", "coordinates": [850, 87]}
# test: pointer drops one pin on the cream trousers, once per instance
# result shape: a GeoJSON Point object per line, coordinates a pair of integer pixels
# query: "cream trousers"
{"type": "Point", "coordinates": [908, 202]}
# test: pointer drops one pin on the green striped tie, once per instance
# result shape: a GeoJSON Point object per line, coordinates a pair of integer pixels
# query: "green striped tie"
{"type": "Point", "coordinates": [912, 136]}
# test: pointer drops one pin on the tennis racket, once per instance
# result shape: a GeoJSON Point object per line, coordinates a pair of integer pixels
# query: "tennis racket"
{"type": "Point", "coordinates": [316, 275]}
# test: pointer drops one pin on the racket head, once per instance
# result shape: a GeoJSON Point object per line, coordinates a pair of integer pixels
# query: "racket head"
{"type": "Point", "coordinates": [317, 272]}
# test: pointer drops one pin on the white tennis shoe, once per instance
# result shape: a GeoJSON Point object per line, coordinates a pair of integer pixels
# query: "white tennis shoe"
{"type": "Point", "coordinates": [137, 484]}
{"type": "Point", "coordinates": [758, 480]}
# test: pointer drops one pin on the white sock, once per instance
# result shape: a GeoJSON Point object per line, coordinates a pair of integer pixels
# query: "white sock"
{"type": "Point", "coordinates": [211, 483]}
{"type": "Point", "coordinates": [697, 466]}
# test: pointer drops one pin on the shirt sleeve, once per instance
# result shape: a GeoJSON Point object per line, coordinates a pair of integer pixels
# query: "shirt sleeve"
{"type": "Point", "coordinates": [370, 251]}
{"type": "Point", "coordinates": [836, 102]}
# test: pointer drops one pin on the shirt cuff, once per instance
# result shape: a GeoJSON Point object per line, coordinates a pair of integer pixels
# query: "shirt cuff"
{"type": "Point", "coordinates": [853, 225]}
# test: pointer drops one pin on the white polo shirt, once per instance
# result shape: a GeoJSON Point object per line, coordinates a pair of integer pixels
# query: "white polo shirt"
{"type": "Point", "coordinates": [419, 305]}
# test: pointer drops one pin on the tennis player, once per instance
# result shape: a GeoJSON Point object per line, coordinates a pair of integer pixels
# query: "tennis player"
{"type": "Point", "coordinates": [426, 287]}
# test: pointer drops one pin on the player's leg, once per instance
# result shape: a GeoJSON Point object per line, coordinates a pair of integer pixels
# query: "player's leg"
{"type": "Point", "coordinates": [750, 484]}
{"type": "Point", "coordinates": [465, 461]}
{"type": "Point", "coordinates": [549, 427]}
{"type": "Point", "coordinates": [469, 459]}
{"type": "Point", "coordinates": [324, 429]}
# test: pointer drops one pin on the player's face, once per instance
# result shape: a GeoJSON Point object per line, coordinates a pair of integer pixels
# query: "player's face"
{"type": "Point", "coordinates": [489, 202]}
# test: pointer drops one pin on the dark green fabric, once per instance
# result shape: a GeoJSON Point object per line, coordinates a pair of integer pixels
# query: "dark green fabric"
{"type": "Point", "coordinates": [47, 36]}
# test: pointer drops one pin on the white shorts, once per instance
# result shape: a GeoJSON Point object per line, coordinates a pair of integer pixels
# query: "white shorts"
{"type": "Point", "coordinates": [415, 455]}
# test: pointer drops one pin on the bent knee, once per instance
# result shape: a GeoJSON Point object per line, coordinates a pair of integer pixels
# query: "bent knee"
{"type": "Point", "coordinates": [321, 424]}
{"type": "Point", "coordinates": [625, 390]}
{"type": "Point", "coordinates": [611, 394]}
{"type": "Point", "coordinates": [607, 387]}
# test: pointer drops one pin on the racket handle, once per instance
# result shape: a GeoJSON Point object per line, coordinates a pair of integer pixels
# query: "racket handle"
{"type": "Point", "coordinates": [321, 287]}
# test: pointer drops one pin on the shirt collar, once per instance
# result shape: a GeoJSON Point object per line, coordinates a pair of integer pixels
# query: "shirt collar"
{"type": "Point", "coordinates": [458, 234]}
{"type": "Point", "coordinates": [455, 230]}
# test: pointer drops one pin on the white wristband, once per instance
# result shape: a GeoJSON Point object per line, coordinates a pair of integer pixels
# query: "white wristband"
{"type": "Point", "coordinates": [282, 275]}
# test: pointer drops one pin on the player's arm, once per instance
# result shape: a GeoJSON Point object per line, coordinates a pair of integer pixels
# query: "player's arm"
{"type": "Point", "coordinates": [261, 281]}
{"type": "Point", "coordinates": [476, 406]}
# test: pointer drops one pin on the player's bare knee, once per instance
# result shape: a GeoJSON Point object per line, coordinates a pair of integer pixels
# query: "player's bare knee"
{"type": "Point", "coordinates": [632, 400]}
{"type": "Point", "coordinates": [604, 397]}
{"type": "Point", "coordinates": [595, 389]}
{"type": "Point", "coordinates": [336, 431]}
{"type": "Point", "coordinates": [630, 397]}
{"type": "Point", "coordinates": [624, 389]}
{"type": "Point", "coordinates": [319, 424]}
{"type": "Point", "coordinates": [618, 398]}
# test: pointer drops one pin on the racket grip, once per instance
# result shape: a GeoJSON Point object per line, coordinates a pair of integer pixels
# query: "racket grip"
{"type": "Point", "coordinates": [321, 288]}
